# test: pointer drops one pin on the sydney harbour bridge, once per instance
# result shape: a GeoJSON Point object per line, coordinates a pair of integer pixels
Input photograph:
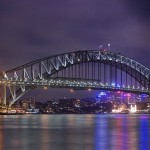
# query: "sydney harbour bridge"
{"type": "Point", "coordinates": [86, 69]}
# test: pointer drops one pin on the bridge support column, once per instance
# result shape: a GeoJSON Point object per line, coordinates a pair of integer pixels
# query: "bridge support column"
{"type": "Point", "coordinates": [3, 95]}
{"type": "Point", "coordinates": [15, 96]}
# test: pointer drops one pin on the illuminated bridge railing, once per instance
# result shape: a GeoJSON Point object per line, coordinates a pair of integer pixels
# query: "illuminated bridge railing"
{"type": "Point", "coordinates": [47, 65]}
{"type": "Point", "coordinates": [72, 84]}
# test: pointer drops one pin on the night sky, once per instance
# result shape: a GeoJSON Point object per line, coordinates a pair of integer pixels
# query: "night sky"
{"type": "Point", "coordinates": [31, 29]}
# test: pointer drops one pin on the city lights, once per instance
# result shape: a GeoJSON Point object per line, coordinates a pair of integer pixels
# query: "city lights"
{"type": "Point", "coordinates": [113, 84]}
{"type": "Point", "coordinates": [89, 89]}
{"type": "Point", "coordinates": [100, 94]}
{"type": "Point", "coordinates": [133, 108]}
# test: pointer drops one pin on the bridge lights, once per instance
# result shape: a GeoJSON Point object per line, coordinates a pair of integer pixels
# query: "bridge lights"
{"type": "Point", "coordinates": [102, 84]}
{"type": "Point", "coordinates": [71, 90]}
{"type": "Point", "coordinates": [118, 86]}
{"type": "Point", "coordinates": [113, 84]}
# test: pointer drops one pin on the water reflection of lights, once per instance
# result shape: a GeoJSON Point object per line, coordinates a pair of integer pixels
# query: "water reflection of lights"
{"type": "Point", "coordinates": [101, 132]}
{"type": "Point", "coordinates": [144, 134]}
{"type": "Point", "coordinates": [71, 132]}
{"type": "Point", "coordinates": [1, 135]}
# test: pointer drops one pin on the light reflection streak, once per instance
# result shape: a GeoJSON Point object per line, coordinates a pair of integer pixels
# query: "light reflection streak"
{"type": "Point", "coordinates": [1, 134]}
{"type": "Point", "coordinates": [101, 133]}
{"type": "Point", "coordinates": [144, 134]}
{"type": "Point", "coordinates": [132, 141]}
{"type": "Point", "coordinates": [117, 133]}
{"type": "Point", "coordinates": [124, 132]}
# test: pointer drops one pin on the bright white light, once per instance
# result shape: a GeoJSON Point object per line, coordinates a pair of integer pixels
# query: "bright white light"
{"type": "Point", "coordinates": [113, 84]}
{"type": "Point", "coordinates": [118, 85]}
{"type": "Point", "coordinates": [101, 94]}
{"type": "Point", "coordinates": [133, 109]}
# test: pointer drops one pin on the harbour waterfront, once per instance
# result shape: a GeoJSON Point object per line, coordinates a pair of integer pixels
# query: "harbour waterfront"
{"type": "Point", "coordinates": [75, 132]}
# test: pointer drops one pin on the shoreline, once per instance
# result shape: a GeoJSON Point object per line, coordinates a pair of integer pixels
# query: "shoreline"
{"type": "Point", "coordinates": [70, 113]}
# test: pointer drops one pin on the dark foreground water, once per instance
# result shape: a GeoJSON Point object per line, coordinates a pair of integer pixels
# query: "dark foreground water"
{"type": "Point", "coordinates": [75, 132]}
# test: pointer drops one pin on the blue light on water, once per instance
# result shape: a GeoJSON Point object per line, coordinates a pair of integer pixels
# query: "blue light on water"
{"type": "Point", "coordinates": [144, 134]}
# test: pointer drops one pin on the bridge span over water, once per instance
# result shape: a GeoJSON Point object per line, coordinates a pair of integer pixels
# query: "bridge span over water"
{"type": "Point", "coordinates": [86, 69]}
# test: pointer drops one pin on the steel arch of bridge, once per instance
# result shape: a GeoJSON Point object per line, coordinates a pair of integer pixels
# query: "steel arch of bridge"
{"type": "Point", "coordinates": [39, 73]}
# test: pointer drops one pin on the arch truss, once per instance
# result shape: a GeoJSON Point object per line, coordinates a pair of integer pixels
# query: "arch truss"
{"type": "Point", "coordinates": [80, 70]}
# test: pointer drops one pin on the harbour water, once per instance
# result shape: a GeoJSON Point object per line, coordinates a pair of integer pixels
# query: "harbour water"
{"type": "Point", "coordinates": [75, 132]}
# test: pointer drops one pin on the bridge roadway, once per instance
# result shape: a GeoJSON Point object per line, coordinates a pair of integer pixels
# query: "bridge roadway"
{"type": "Point", "coordinates": [76, 84]}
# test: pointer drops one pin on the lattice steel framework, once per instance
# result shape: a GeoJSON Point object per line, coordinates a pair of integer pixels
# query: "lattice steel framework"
{"type": "Point", "coordinates": [40, 73]}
